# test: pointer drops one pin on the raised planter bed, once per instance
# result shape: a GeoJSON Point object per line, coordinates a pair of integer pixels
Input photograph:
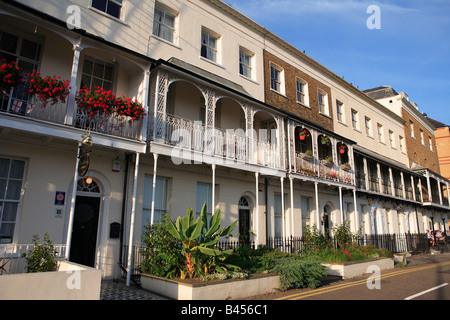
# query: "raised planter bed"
{"type": "Point", "coordinates": [177, 289]}
{"type": "Point", "coordinates": [71, 282]}
{"type": "Point", "coordinates": [355, 268]}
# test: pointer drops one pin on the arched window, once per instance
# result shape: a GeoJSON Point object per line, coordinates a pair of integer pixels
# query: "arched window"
{"type": "Point", "coordinates": [88, 185]}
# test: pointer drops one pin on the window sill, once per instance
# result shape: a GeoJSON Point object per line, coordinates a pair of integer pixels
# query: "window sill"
{"type": "Point", "coordinates": [166, 42]}
{"type": "Point", "coordinates": [324, 114]}
{"type": "Point", "coordinates": [212, 62]}
{"type": "Point", "coordinates": [304, 105]}
{"type": "Point", "coordinates": [342, 123]}
{"type": "Point", "coordinates": [249, 79]}
{"type": "Point", "coordinates": [279, 93]}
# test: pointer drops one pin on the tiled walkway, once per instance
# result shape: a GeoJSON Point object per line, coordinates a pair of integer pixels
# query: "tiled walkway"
{"type": "Point", "coordinates": [118, 290]}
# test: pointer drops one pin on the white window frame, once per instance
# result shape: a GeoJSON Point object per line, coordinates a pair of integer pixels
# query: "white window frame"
{"type": "Point", "coordinates": [355, 122]}
{"type": "Point", "coordinates": [162, 25]}
{"type": "Point", "coordinates": [323, 105]}
{"type": "Point", "coordinates": [304, 93]}
{"type": "Point", "coordinates": [243, 66]}
{"type": "Point", "coordinates": [160, 211]}
{"type": "Point", "coordinates": [368, 125]}
{"type": "Point", "coordinates": [391, 139]}
{"type": "Point", "coordinates": [208, 201]}
{"type": "Point", "coordinates": [422, 138]}
{"type": "Point", "coordinates": [280, 81]}
{"type": "Point", "coordinates": [380, 132]}
{"type": "Point", "coordinates": [212, 52]}
{"type": "Point", "coordinates": [340, 111]}
{"type": "Point", "coordinates": [411, 128]}
{"type": "Point", "coordinates": [431, 143]}
{"type": "Point", "coordinates": [119, 3]}
{"type": "Point", "coordinates": [401, 141]}
{"type": "Point", "coordinates": [18, 201]}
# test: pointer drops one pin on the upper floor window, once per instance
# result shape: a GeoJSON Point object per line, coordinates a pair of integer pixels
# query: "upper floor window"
{"type": "Point", "coordinates": [401, 143]}
{"type": "Point", "coordinates": [27, 53]}
{"type": "Point", "coordinates": [111, 7]}
{"type": "Point", "coordinates": [422, 139]}
{"type": "Point", "coordinates": [380, 132]}
{"type": "Point", "coordinates": [340, 111]}
{"type": "Point", "coordinates": [97, 73]}
{"type": "Point", "coordinates": [355, 124]}
{"type": "Point", "coordinates": [164, 24]}
{"type": "Point", "coordinates": [245, 63]}
{"type": "Point", "coordinates": [411, 128]}
{"type": "Point", "coordinates": [209, 49]}
{"type": "Point", "coordinates": [391, 139]}
{"type": "Point", "coordinates": [323, 103]}
{"type": "Point", "coordinates": [276, 78]}
{"type": "Point", "coordinates": [368, 124]}
{"type": "Point", "coordinates": [302, 92]}
{"type": "Point", "coordinates": [431, 143]}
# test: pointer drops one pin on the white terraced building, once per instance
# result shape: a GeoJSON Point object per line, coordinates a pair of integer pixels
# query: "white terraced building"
{"type": "Point", "coordinates": [211, 134]}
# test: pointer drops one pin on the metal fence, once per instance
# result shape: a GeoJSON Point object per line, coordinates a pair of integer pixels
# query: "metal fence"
{"type": "Point", "coordinates": [396, 243]}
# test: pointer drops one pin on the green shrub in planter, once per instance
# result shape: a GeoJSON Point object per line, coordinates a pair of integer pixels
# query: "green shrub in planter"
{"type": "Point", "coordinates": [298, 273]}
{"type": "Point", "coordinates": [43, 256]}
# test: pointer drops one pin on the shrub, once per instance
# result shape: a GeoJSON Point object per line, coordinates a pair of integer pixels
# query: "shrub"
{"type": "Point", "coordinates": [344, 236]}
{"type": "Point", "coordinates": [162, 253]}
{"type": "Point", "coordinates": [298, 273]}
{"type": "Point", "coordinates": [43, 256]}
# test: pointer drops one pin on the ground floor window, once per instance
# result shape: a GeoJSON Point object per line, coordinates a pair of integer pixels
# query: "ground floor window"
{"type": "Point", "coordinates": [11, 182]}
{"type": "Point", "coordinates": [160, 199]}
{"type": "Point", "coordinates": [204, 195]}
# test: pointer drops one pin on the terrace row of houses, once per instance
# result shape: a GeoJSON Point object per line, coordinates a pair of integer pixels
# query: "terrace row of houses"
{"type": "Point", "coordinates": [235, 117]}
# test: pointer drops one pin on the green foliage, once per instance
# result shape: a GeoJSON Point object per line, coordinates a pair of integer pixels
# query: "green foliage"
{"type": "Point", "coordinates": [298, 273]}
{"type": "Point", "coordinates": [162, 253]}
{"type": "Point", "coordinates": [314, 241]}
{"type": "Point", "coordinates": [344, 236]}
{"type": "Point", "coordinates": [353, 253]}
{"type": "Point", "coordinates": [199, 242]}
{"type": "Point", "coordinates": [43, 256]}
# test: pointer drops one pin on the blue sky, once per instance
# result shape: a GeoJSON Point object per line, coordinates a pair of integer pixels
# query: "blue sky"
{"type": "Point", "coordinates": [410, 52]}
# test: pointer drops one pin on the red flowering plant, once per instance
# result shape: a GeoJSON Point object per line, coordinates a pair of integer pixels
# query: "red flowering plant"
{"type": "Point", "coordinates": [49, 89]}
{"type": "Point", "coordinates": [10, 75]}
{"type": "Point", "coordinates": [129, 107]}
{"type": "Point", "coordinates": [96, 100]}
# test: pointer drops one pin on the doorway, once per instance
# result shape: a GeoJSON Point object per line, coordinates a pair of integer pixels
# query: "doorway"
{"type": "Point", "coordinates": [244, 221]}
{"type": "Point", "coordinates": [85, 225]}
{"type": "Point", "coordinates": [326, 220]}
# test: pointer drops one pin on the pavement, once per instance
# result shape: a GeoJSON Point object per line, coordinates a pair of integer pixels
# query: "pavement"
{"type": "Point", "coordinates": [117, 289]}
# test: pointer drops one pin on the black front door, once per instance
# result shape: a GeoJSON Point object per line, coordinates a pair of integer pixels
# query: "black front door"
{"type": "Point", "coordinates": [244, 226]}
{"type": "Point", "coordinates": [84, 232]}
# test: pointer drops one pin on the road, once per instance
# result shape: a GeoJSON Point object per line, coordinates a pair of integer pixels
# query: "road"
{"type": "Point", "coordinates": [423, 281]}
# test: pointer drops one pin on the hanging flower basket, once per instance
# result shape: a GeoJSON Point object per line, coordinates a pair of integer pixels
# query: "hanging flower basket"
{"type": "Point", "coordinates": [130, 108]}
{"type": "Point", "coordinates": [325, 140]}
{"type": "Point", "coordinates": [10, 76]}
{"type": "Point", "coordinates": [49, 89]}
{"type": "Point", "coordinates": [303, 134]}
{"type": "Point", "coordinates": [96, 101]}
{"type": "Point", "coordinates": [342, 149]}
